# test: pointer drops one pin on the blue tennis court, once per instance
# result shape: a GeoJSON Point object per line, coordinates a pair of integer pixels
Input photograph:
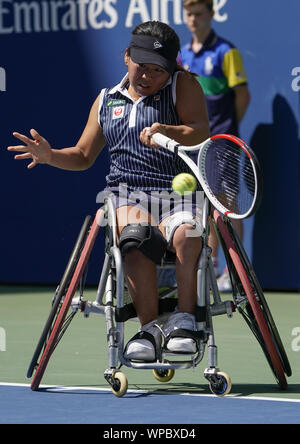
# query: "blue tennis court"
{"type": "Point", "coordinates": [74, 391]}
{"type": "Point", "coordinates": [78, 405]}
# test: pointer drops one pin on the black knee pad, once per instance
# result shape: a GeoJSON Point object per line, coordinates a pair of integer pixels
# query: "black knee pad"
{"type": "Point", "coordinates": [146, 238]}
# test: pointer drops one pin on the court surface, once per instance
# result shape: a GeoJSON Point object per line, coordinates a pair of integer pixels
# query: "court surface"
{"type": "Point", "coordinates": [74, 391]}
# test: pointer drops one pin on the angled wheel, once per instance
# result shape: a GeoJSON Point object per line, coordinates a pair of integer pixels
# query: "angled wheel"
{"type": "Point", "coordinates": [262, 301]}
{"type": "Point", "coordinates": [59, 295]}
{"type": "Point", "coordinates": [251, 302]}
{"type": "Point", "coordinates": [59, 319]}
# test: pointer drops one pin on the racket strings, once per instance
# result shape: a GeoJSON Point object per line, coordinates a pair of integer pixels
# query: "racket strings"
{"type": "Point", "coordinates": [229, 174]}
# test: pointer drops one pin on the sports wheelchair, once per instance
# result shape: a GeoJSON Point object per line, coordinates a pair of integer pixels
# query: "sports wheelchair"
{"type": "Point", "coordinates": [113, 302]}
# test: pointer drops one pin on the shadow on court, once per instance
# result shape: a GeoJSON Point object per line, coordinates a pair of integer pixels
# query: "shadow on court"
{"type": "Point", "coordinates": [144, 390]}
{"type": "Point", "coordinates": [237, 390]}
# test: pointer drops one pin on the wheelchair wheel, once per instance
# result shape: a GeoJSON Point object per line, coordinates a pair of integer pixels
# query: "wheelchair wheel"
{"type": "Point", "coordinates": [262, 301]}
{"type": "Point", "coordinates": [251, 302]}
{"type": "Point", "coordinates": [163, 375]}
{"type": "Point", "coordinates": [58, 320]}
{"type": "Point", "coordinates": [120, 384]}
{"type": "Point", "coordinates": [59, 294]}
{"type": "Point", "coordinates": [220, 384]}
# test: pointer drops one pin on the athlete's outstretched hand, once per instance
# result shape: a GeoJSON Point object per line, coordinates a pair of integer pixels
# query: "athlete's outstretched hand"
{"type": "Point", "coordinates": [37, 149]}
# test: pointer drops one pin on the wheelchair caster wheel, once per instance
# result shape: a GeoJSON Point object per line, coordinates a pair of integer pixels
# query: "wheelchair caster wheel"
{"type": "Point", "coordinates": [163, 375]}
{"type": "Point", "coordinates": [220, 383]}
{"type": "Point", "coordinates": [119, 384]}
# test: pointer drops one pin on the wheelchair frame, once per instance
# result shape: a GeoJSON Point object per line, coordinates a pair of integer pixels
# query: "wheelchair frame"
{"type": "Point", "coordinates": [248, 299]}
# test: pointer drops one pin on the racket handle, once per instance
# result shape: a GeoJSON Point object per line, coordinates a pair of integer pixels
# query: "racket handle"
{"type": "Point", "coordinates": [165, 142]}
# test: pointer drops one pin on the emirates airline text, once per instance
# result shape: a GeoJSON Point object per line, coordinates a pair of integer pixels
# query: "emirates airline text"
{"type": "Point", "coordinates": [80, 15]}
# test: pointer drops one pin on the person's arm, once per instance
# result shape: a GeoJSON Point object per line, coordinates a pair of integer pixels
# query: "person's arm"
{"type": "Point", "coordinates": [242, 100]}
{"type": "Point", "coordinates": [79, 157]}
{"type": "Point", "coordinates": [236, 76]}
{"type": "Point", "coordinates": [191, 109]}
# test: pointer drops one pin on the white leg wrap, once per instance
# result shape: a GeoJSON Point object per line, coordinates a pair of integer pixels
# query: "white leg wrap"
{"type": "Point", "coordinates": [183, 217]}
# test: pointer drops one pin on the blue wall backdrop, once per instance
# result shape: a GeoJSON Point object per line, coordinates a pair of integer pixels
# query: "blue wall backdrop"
{"type": "Point", "coordinates": [55, 56]}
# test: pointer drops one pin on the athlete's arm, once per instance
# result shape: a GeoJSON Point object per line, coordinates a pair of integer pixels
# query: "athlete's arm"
{"type": "Point", "coordinates": [191, 109]}
{"type": "Point", "coordinates": [79, 157]}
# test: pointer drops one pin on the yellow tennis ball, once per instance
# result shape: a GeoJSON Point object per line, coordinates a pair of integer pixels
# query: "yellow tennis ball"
{"type": "Point", "coordinates": [183, 183]}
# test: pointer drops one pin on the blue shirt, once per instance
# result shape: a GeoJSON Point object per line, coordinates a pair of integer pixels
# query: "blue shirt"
{"type": "Point", "coordinates": [219, 68]}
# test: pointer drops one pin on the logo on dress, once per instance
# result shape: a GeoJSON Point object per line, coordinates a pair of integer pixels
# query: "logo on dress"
{"type": "Point", "coordinates": [118, 112]}
{"type": "Point", "coordinates": [116, 102]}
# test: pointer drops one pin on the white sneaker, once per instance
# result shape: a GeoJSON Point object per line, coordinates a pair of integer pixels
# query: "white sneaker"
{"type": "Point", "coordinates": [180, 320]}
{"type": "Point", "coordinates": [144, 345]}
{"type": "Point", "coordinates": [224, 282]}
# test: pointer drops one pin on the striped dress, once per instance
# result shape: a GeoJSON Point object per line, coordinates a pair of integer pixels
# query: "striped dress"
{"type": "Point", "coordinates": [122, 119]}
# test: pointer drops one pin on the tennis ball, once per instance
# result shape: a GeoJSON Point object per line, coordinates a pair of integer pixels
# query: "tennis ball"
{"type": "Point", "coordinates": [183, 183]}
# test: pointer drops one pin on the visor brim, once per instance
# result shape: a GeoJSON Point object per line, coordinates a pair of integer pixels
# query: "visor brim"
{"type": "Point", "coordinates": [141, 55]}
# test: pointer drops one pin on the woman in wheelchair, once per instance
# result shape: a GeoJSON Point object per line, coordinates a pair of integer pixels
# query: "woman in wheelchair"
{"type": "Point", "coordinates": [156, 95]}
{"type": "Point", "coordinates": [143, 245]}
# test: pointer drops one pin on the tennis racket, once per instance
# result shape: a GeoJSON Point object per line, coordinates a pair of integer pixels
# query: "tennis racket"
{"type": "Point", "coordinates": [227, 169]}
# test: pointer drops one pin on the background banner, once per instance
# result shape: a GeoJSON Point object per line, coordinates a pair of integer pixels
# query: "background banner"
{"type": "Point", "coordinates": [56, 56]}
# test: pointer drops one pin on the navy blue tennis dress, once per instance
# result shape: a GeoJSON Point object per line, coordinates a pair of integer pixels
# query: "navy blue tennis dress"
{"type": "Point", "coordinates": [139, 174]}
{"type": "Point", "coordinates": [122, 119]}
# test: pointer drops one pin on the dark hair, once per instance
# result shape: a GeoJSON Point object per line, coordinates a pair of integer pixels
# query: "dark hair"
{"type": "Point", "coordinates": [163, 32]}
{"type": "Point", "coordinates": [208, 3]}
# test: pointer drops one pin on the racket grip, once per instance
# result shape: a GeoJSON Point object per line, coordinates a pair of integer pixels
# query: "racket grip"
{"type": "Point", "coordinates": [165, 142]}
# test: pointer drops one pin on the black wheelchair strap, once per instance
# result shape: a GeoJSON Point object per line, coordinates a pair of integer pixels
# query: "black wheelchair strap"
{"type": "Point", "coordinates": [183, 333]}
{"type": "Point", "coordinates": [144, 335]}
{"type": "Point", "coordinates": [122, 314]}
{"type": "Point", "coordinates": [200, 314]}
